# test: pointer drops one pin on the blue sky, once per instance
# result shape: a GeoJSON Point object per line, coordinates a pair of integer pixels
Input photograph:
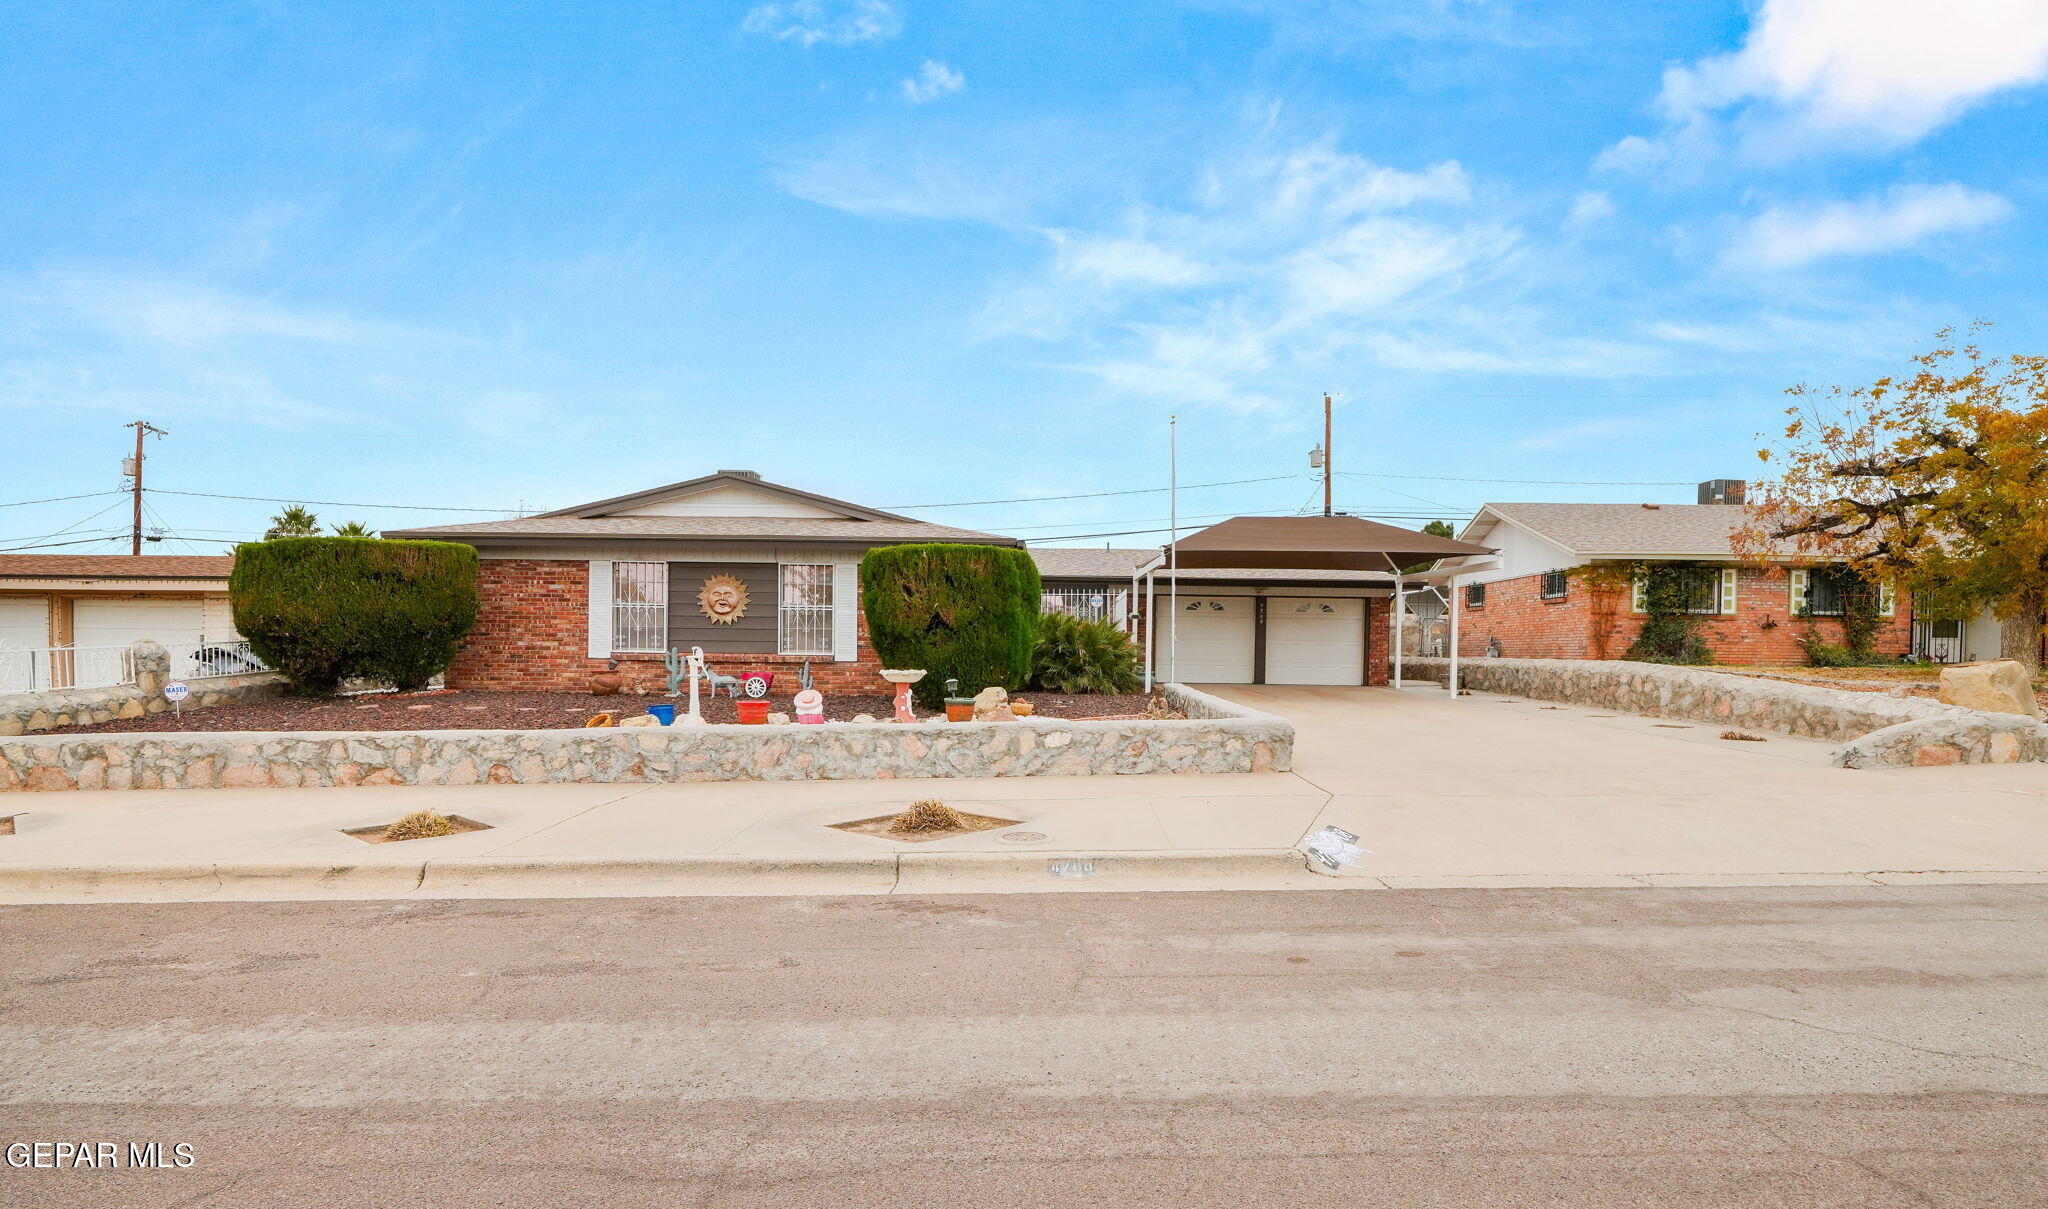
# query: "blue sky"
{"type": "Point", "coordinates": [521, 256]}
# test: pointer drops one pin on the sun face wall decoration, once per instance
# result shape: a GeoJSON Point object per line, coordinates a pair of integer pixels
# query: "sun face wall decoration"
{"type": "Point", "coordinates": [723, 599]}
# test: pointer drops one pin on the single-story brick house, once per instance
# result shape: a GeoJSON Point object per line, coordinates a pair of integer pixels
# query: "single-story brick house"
{"type": "Point", "coordinates": [765, 576]}
{"type": "Point", "coordinates": [1526, 606]}
{"type": "Point", "coordinates": [761, 576]}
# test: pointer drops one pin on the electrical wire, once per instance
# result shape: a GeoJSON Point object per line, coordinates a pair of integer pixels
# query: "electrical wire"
{"type": "Point", "coordinates": [274, 499]}
{"type": "Point", "coordinates": [57, 499]}
{"type": "Point", "coordinates": [1092, 495]}
{"type": "Point", "coordinates": [107, 536]}
{"type": "Point", "coordinates": [1445, 478]}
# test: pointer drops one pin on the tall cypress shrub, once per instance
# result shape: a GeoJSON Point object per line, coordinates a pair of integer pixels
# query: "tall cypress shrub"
{"type": "Point", "coordinates": [322, 610]}
{"type": "Point", "coordinates": [968, 613]}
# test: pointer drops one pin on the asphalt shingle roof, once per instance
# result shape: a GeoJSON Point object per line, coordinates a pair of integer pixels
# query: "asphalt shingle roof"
{"type": "Point", "coordinates": [1606, 530]}
{"type": "Point", "coordinates": [116, 566]}
{"type": "Point", "coordinates": [690, 528]}
{"type": "Point", "coordinates": [1055, 562]}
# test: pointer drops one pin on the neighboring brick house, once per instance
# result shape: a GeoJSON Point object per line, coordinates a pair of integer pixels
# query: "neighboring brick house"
{"type": "Point", "coordinates": [1526, 606]}
{"type": "Point", "coordinates": [761, 576]}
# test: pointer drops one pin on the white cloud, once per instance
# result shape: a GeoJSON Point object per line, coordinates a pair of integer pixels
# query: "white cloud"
{"type": "Point", "coordinates": [1590, 207]}
{"type": "Point", "coordinates": [1790, 237]}
{"type": "Point", "coordinates": [1822, 73]}
{"type": "Point", "coordinates": [838, 22]}
{"type": "Point", "coordinates": [933, 80]}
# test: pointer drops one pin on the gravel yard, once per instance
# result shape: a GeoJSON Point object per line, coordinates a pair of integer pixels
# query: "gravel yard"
{"type": "Point", "coordinates": [523, 711]}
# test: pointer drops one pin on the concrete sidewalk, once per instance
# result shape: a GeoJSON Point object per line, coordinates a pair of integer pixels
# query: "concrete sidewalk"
{"type": "Point", "coordinates": [1478, 791]}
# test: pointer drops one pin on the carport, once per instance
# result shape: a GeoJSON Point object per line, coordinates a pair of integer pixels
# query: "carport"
{"type": "Point", "coordinates": [1307, 544]}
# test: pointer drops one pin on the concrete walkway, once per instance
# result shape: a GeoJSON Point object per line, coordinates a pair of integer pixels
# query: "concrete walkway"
{"type": "Point", "coordinates": [1478, 791]}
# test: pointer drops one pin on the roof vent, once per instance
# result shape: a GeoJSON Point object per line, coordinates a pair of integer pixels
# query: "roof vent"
{"type": "Point", "coordinates": [743, 474]}
{"type": "Point", "coordinates": [1652, 507]}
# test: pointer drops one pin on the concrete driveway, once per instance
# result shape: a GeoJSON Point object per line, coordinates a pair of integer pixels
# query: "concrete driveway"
{"type": "Point", "coordinates": [1487, 788]}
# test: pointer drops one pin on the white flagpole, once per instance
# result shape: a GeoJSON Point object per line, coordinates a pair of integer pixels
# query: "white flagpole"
{"type": "Point", "coordinates": [1173, 548]}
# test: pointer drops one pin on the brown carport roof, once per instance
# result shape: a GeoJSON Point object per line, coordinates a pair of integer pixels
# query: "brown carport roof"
{"type": "Point", "coordinates": [1334, 543]}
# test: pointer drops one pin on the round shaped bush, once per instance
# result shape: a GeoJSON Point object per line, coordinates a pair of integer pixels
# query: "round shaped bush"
{"type": "Point", "coordinates": [322, 610]}
{"type": "Point", "coordinates": [968, 613]}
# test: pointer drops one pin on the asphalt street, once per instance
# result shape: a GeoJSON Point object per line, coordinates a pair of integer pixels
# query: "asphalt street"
{"type": "Point", "coordinates": [1723, 1048]}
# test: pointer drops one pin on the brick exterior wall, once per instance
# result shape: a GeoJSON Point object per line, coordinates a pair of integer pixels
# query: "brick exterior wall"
{"type": "Point", "coordinates": [532, 633]}
{"type": "Point", "coordinates": [1573, 627]}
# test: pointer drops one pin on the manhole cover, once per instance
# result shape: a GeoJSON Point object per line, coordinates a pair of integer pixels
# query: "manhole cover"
{"type": "Point", "coordinates": [1021, 837]}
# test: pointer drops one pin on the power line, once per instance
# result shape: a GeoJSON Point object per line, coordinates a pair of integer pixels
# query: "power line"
{"type": "Point", "coordinates": [1446, 478]}
{"type": "Point", "coordinates": [1091, 495]}
{"type": "Point", "coordinates": [105, 536]}
{"type": "Point", "coordinates": [58, 499]}
{"type": "Point", "coordinates": [276, 499]}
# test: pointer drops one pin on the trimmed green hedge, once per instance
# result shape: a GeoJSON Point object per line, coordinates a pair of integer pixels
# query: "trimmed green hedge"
{"type": "Point", "coordinates": [965, 612]}
{"type": "Point", "coordinates": [322, 610]}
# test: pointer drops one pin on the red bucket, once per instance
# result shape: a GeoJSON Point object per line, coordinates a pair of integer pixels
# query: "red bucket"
{"type": "Point", "coordinates": [752, 713]}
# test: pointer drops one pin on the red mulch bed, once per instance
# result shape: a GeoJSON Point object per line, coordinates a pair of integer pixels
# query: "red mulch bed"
{"type": "Point", "coordinates": [523, 711]}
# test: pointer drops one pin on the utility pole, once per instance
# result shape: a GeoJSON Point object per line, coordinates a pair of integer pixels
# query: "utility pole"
{"type": "Point", "coordinates": [134, 471]}
{"type": "Point", "coordinates": [1328, 468]}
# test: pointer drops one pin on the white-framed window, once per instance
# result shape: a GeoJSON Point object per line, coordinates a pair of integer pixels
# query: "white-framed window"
{"type": "Point", "coordinates": [640, 607]}
{"type": "Point", "coordinates": [804, 614]}
{"type": "Point", "coordinates": [1707, 590]}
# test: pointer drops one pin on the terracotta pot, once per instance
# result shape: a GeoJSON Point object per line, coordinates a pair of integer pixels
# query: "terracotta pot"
{"type": "Point", "coordinates": [753, 713]}
{"type": "Point", "coordinates": [959, 711]}
{"type": "Point", "coordinates": [604, 684]}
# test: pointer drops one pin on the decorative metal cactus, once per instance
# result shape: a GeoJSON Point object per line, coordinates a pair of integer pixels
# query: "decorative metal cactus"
{"type": "Point", "coordinates": [678, 665]}
{"type": "Point", "coordinates": [803, 677]}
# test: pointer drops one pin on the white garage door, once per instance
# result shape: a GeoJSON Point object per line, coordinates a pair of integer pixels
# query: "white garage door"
{"type": "Point", "coordinates": [24, 626]}
{"type": "Point", "coordinates": [24, 622]}
{"type": "Point", "coordinates": [1315, 641]}
{"type": "Point", "coordinates": [1214, 639]}
{"type": "Point", "coordinates": [120, 622]}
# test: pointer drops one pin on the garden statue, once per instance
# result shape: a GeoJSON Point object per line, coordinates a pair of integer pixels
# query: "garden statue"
{"type": "Point", "coordinates": [678, 665]}
{"type": "Point", "coordinates": [693, 666]}
{"type": "Point", "coordinates": [803, 676]}
{"type": "Point", "coordinates": [718, 680]}
{"type": "Point", "coordinates": [903, 679]}
{"type": "Point", "coordinates": [809, 705]}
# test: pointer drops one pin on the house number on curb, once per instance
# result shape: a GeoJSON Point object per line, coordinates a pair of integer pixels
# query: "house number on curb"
{"type": "Point", "coordinates": [1022, 837]}
{"type": "Point", "coordinates": [1080, 868]}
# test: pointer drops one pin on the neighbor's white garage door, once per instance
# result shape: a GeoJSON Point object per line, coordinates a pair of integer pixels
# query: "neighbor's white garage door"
{"type": "Point", "coordinates": [1214, 639]}
{"type": "Point", "coordinates": [1315, 641]}
{"type": "Point", "coordinates": [24, 622]}
{"type": "Point", "coordinates": [120, 622]}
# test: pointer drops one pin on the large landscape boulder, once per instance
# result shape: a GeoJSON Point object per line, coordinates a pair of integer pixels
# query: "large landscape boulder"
{"type": "Point", "coordinates": [2001, 686]}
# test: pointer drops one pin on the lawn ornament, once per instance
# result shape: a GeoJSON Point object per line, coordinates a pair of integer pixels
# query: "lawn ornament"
{"type": "Point", "coordinates": [756, 684]}
{"type": "Point", "coordinates": [903, 678]}
{"type": "Point", "coordinates": [723, 599]}
{"type": "Point", "coordinates": [718, 680]}
{"type": "Point", "coordinates": [803, 676]}
{"type": "Point", "coordinates": [603, 719]}
{"type": "Point", "coordinates": [809, 706]}
{"type": "Point", "coordinates": [693, 667]}
{"type": "Point", "coordinates": [678, 665]}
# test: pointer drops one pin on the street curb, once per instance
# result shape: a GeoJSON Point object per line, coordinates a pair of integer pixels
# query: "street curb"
{"type": "Point", "coordinates": [579, 877]}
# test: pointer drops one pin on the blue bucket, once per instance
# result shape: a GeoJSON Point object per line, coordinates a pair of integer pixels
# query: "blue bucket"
{"type": "Point", "coordinates": [664, 714]}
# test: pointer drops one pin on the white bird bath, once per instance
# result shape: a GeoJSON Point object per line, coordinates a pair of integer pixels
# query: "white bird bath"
{"type": "Point", "coordinates": [903, 679]}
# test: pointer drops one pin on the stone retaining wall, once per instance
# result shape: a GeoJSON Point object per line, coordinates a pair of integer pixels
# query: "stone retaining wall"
{"type": "Point", "coordinates": [1881, 730]}
{"type": "Point", "coordinates": [27, 713]}
{"type": "Point", "coordinates": [1217, 736]}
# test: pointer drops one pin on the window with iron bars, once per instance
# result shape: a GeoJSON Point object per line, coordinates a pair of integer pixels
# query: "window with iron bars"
{"type": "Point", "coordinates": [1555, 584]}
{"type": "Point", "coordinates": [640, 607]}
{"type": "Point", "coordinates": [1829, 591]}
{"type": "Point", "coordinates": [805, 615]}
{"type": "Point", "coordinates": [1475, 596]}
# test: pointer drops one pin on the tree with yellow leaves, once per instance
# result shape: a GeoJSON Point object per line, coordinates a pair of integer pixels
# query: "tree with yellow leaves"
{"type": "Point", "coordinates": [1937, 478]}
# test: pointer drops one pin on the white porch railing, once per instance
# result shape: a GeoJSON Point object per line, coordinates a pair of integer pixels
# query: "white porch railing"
{"type": "Point", "coordinates": [1091, 604]}
{"type": "Point", "coordinates": [39, 669]}
{"type": "Point", "coordinates": [201, 660]}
